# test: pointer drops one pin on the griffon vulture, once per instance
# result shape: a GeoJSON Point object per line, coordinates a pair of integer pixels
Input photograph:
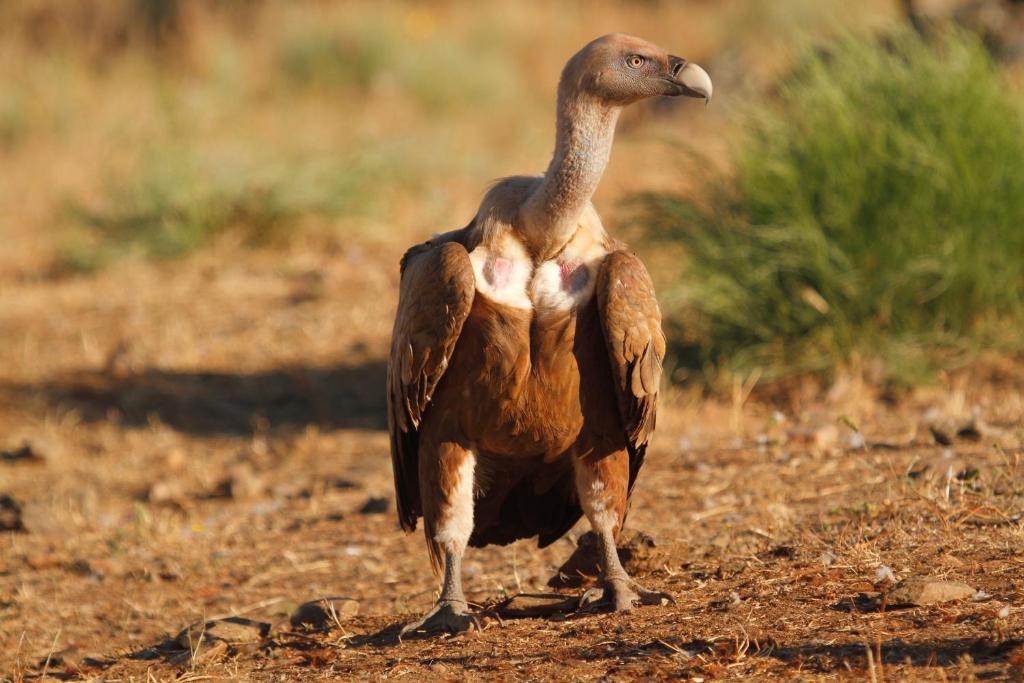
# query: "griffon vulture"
{"type": "Point", "coordinates": [527, 349]}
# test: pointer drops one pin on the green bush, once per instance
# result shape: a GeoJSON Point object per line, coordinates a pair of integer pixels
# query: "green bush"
{"type": "Point", "coordinates": [173, 204]}
{"type": "Point", "coordinates": [876, 209]}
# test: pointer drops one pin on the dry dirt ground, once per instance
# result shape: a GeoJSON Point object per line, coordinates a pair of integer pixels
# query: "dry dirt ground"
{"type": "Point", "coordinates": [184, 443]}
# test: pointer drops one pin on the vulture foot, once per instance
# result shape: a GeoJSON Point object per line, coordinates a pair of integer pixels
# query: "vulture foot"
{"type": "Point", "coordinates": [447, 617]}
{"type": "Point", "coordinates": [622, 595]}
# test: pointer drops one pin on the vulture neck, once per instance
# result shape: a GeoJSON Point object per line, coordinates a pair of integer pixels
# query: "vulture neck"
{"type": "Point", "coordinates": [583, 141]}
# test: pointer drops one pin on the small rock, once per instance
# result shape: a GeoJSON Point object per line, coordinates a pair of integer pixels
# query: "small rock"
{"type": "Point", "coordinates": [231, 630]}
{"type": "Point", "coordinates": [10, 515]}
{"type": "Point", "coordinates": [528, 605]}
{"type": "Point", "coordinates": [375, 505]}
{"type": "Point", "coordinates": [918, 592]}
{"type": "Point", "coordinates": [318, 613]}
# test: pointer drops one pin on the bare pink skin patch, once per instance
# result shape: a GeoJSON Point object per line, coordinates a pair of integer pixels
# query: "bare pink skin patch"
{"type": "Point", "coordinates": [498, 271]}
{"type": "Point", "coordinates": [573, 275]}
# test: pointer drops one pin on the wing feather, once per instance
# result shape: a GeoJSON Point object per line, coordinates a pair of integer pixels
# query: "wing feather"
{"type": "Point", "coordinates": [435, 296]}
{"type": "Point", "coordinates": [636, 347]}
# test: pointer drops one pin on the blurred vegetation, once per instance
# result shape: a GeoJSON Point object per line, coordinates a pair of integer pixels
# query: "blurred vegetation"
{"type": "Point", "coordinates": [438, 73]}
{"type": "Point", "coordinates": [177, 204]}
{"type": "Point", "coordinates": [875, 211]}
{"type": "Point", "coordinates": [210, 130]}
{"type": "Point", "coordinates": [868, 209]}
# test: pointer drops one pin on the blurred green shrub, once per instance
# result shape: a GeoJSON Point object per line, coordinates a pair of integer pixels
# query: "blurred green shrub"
{"type": "Point", "coordinates": [174, 205]}
{"type": "Point", "coordinates": [876, 210]}
{"type": "Point", "coordinates": [425, 65]}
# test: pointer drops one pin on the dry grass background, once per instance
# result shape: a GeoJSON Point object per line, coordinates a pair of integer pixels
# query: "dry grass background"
{"type": "Point", "coordinates": [204, 431]}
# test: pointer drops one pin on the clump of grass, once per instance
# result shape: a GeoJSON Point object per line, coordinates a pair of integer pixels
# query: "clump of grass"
{"type": "Point", "coordinates": [174, 205]}
{"type": "Point", "coordinates": [876, 211]}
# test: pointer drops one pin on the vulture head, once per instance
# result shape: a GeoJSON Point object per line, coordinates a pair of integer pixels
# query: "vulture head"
{"type": "Point", "coordinates": [620, 69]}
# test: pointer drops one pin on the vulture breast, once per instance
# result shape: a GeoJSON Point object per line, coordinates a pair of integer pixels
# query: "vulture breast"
{"type": "Point", "coordinates": [505, 274]}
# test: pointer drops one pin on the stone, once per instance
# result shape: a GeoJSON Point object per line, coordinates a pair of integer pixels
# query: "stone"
{"type": "Point", "coordinates": [919, 592]}
{"type": "Point", "coordinates": [231, 630]}
{"type": "Point", "coordinates": [318, 613]}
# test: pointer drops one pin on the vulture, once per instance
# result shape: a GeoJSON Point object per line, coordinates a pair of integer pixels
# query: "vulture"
{"type": "Point", "coordinates": [527, 350]}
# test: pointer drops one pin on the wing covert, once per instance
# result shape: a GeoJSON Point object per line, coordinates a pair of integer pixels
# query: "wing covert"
{"type": "Point", "coordinates": [435, 296]}
{"type": "Point", "coordinates": [636, 346]}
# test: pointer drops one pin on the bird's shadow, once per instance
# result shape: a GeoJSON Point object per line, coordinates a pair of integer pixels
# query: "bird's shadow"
{"type": "Point", "coordinates": [221, 403]}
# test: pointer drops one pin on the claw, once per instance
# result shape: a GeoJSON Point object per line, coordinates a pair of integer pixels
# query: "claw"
{"type": "Point", "coordinates": [622, 595]}
{"type": "Point", "coordinates": [590, 597]}
{"type": "Point", "coordinates": [445, 617]}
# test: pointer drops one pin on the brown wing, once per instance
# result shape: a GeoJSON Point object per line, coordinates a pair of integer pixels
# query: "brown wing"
{"type": "Point", "coordinates": [636, 347]}
{"type": "Point", "coordinates": [435, 296]}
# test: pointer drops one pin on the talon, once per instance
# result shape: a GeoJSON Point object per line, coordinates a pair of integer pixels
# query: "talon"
{"type": "Point", "coordinates": [446, 617]}
{"type": "Point", "coordinates": [590, 597]}
{"type": "Point", "coordinates": [623, 595]}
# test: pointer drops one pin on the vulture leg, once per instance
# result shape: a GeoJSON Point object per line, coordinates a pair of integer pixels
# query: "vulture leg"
{"type": "Point", "coordinates": [446, 483]}
{"type": "Point", "coordinates": [601, 483]}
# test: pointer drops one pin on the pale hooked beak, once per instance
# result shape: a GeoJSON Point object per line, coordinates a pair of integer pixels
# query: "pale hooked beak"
{"type": "Point", "coordinates": [690, 79]}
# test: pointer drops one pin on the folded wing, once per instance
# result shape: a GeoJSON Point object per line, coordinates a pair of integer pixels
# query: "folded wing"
{"type": "Point", "coordinates": [436, 293]}
{"type": "Point", "coordinates": [636, 347]}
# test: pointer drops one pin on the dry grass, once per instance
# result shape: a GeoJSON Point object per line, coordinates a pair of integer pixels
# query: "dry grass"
{"type": "Point", "coordinates": [205, 431]}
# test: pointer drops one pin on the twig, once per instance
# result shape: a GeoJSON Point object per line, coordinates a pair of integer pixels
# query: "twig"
{"type": "Point", "coordinates": [49, 655]}
{"type": "Point", "coordinates": [871, 664]}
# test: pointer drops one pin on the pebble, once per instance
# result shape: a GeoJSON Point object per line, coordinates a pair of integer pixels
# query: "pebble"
{"type": "Point", "coordinates": [918, 592]}
{"type": "Point", "coordinates": [231, 630]}
{"type": "Point", "coordinates": [317, 613]}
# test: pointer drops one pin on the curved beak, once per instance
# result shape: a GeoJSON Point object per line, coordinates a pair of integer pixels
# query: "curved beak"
{"type": "Point", "coordinates": [690, 79]}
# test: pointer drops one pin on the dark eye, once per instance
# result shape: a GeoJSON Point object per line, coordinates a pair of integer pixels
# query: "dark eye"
{"type": "Point", "coordinates": [635, 61]}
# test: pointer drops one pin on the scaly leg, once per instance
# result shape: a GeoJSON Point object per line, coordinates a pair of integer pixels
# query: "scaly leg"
{"type": "Point", "coordinates": [446, 483]}
{"type": "Point", "coordinates": [601, 485]}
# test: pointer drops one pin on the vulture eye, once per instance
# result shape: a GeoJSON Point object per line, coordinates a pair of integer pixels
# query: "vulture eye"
{"type": "Point", "coordinates": [635, 61]}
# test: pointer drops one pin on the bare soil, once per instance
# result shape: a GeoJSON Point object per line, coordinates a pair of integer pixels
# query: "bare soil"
{"type": "Point", "coordinates": [204, 440]}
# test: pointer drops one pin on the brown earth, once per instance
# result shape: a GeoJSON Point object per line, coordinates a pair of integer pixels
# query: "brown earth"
{"type": "Point", "coordinates": [206, 439]}
{"type": "Point", "coordinates": [189, 442]}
